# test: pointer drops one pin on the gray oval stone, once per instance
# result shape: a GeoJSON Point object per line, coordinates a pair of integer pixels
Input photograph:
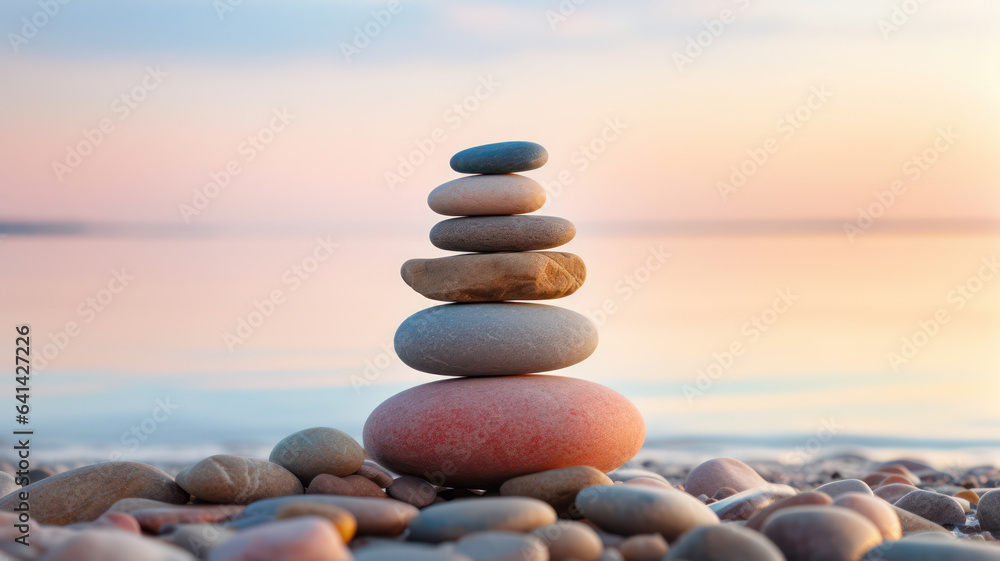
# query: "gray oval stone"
{"type": "Point", "coordinates": [494, 339]}
{"type": "Point", "coordinates": [502, 233]}
{"type": "Point", "coordinates": [938, 508]}
{"type": "Point", "coordinates": [451, 520]}
{"type": "Point", "coordinates": [988, 511]}
{"type": "Point", "coordinates": [929, 547]}
{"type": "Point", "coordinates": [317, 450]}
{"type": "Point", "coordinates": [633, 509]}
{"type": "Point", "coordinates": [500, 157]}
{"type": "Point", "coordinates": [496, 277]}
{"type": "Point", "coordinates": [237, 480]}
{"type": "Point", "coordinates": [502, 546]}
{"type": "Point", "coordinates": [480, 195]}
{"type": "Point", "coordinates": [727, 542]}
{"type": "Point", "coordinates": [842, 486]}
{"type": "Point", "coordinates": [375, 517]}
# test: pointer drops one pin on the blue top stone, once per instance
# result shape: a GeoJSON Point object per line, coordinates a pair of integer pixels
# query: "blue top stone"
{"type": "Point", "coordinates": [500, 157]}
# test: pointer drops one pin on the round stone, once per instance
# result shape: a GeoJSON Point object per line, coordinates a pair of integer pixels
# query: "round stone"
{"type": "Point", "coordinates": [236, 480]}
{"type": "Point", "coordinates": [494, 339]}
{"type": "Point", "coordinates": [893, 492]}
{"type": "Point", "coordinates": [634, 509]}
{"type": "Point", "coordinates": [482, 195]}
{"type": "Point", "coordinates": [710, 476]}
{"type": "Point", "coordinates": [352, 485]}
{"type": "Point", "coordinates": [451, 520]}
{"type": "Point", "coordinates": [495, 277]}
{"type": "Point", "coordinates": [502, 233]}
{"type": "Point", "coordinates": [83, 494]}
{"type": "Point", "coordinates": [874, 509]}
{"type": "Point", "coordinates": [412, 490]}
{"type": "Point", "coordinates": [500, 157]}
{"type": "Point", "coordinates": [802, 532]}
{"type": "Point", "coordinates": [837, 488]}
{"type": "Point", "coordinates": [938, 508]}
{"type": "Point", "coordinates": [568, 540]}
{"type": "Point", "coordinates": [727, 542]}
{"type": "Point", "coordinates": [913, 524]}
{"type": "Point", "coordinates": [988, 511]}
{"type": "Point", "coordinates": [808, 498]}
{"type": "Point", "coordinates": [479, 432]}
{"type": "Point", "coordinates": [311, 452]}
{"type": "Point", "coordinates": [558, 487]}
{"type": "Point", "coordinates": [643, 547]}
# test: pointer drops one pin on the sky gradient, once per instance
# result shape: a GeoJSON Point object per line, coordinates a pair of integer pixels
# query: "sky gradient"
{"type": "Point", "coordinates": [714, 156]}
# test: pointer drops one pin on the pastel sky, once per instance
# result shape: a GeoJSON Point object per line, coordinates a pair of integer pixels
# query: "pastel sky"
{"type": "Point", "coordinates": [846, 151]}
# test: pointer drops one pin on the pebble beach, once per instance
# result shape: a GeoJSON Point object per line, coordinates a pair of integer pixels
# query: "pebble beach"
{"type": "Point", "coordinates": [498, 457]}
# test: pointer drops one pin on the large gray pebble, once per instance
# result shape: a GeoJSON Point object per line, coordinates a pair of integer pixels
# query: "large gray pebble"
{"type": "Point", "coordinates": [632, 509]}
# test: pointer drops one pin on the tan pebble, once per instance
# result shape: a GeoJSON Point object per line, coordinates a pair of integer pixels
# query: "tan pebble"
{"type": "Point", "coordinates": [645, 547]}
{"type": "Point", "coordinates": [228, 479]}
{"type": "Point", "coordinates": [557, 487]}
{"type": "Point", "coordinates": [874, 509]}
{"type": "Point", "coordinates": [568, 540]}
{"type": "Point", "coordinates": [352, 485]}
{"type": "Point", "coordinates": [376, 473]}
{"type": "Point", "coordinates": [317, 450]}
{"type": "Point", "coordinates": [968, 495]}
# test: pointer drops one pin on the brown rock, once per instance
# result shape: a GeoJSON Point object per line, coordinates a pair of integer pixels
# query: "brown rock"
{"type": "Point", "coordinates": [876, 510]}
{"type": "Point", "coordinates": [153, 519]}
{"type": "Point", "coordinates": [413, 490]}
{"type": "Point", "coordinates": [968, 495]}
{"type": "Point", "coordinates": [727, 542]}
{"type": "Point", "coordinates": [230, 479]}
{"type": "Point", "coordinates": [568, 540]}
{"type": "Point", "coordinates": [715, 474]}
{"type": "Point", "coordinates": [317, 450]}
{"type": "Point", "coordinates": [352, 485]}
{"type": "Point", "coordinates": [807, 533]}
{"type": "Point", "coordinates": [496, 277]}
{"type": "Point", "coordinates": [558, 487]}
{"type": "Point", "coordinates": [502, 233]}
{"type": "Point", "coordinates": [938, 508]}
{"type": "Point", "coordinates": [756, 522]}
{"type": "Point", "coordinates": [343, 521]}
{"type": "Point", "coordinates": [376, 473]}
{"type": "Point", "coordinates": [643, 547]}
{"type": "Point", "coordinates": [83, 494]}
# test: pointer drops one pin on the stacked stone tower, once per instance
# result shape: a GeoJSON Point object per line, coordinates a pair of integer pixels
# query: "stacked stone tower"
{"type": "Point", "coordinates": [498, 420]}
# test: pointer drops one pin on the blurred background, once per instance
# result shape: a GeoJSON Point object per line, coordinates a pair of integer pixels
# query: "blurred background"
{"type": "Point", "coordinates": [789, 210]}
